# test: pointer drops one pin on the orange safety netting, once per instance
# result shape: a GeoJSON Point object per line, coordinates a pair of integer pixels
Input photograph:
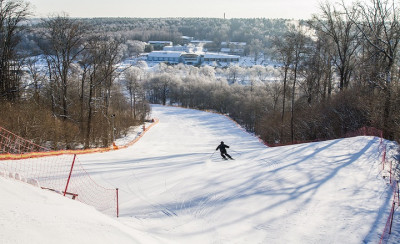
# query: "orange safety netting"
{"type": "Point", "coordinates": [58, 171]}
{"type": "Point", "coordinates": [12, 149]}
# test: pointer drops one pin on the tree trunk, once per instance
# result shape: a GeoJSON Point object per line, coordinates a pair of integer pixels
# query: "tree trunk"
{"type": "Point", "coordinates": [283, 100]}
{"type": "Point", "coordinates": [292, 105]}
{"type": "Point", "coordinates": [89, 119]}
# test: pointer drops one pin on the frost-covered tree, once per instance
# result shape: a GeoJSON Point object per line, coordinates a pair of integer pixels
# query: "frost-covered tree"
{"type": "Point", "coordinates": [135, 48]}
{"type": "Point", "coordinates": [159, 87]}
{"type": "Point", "coordinates": [233, 73]}
{"type": "Point", "coordinates": [208, 72]}
{"type": "Point", "coordinates": [133, 83]}
{"type": "Point", "coordinates": [256, 48]}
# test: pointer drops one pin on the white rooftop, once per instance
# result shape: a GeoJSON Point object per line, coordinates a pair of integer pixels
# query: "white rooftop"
{"type": "Point", "coordinates": [201, 41]}
{"type": "Point", "coordinates": [177, 54]}
{"type": "Point", "coordinates": [234, 43]}
{"type": "Point", "coordinates": [160, 42]}
{"type": "Point", "coordinates": [166, 54]}
{"type": "Point", "coordinates": [219, 55]}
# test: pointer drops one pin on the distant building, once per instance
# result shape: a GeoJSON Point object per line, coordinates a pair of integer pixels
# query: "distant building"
{"type": "Point", "coordinates": [171, 57]}
{"type": "Point", "coordinates": [220, 58]}
{"type": "Point", "coordinates": [200, 42]}
{"type": "Point", "coordinates": [175, 48]}
{"type": "Point", "coordinates": [235, 48]}
{"type": "Point", "coordinates": [190, 48]}
{"type": "Point", "coordinates": [159, 45]}
{"type": "Point", "coordinates": [191, 58]}
{"type": "Point", "coordinates": [225, 50]}
{"type": "Point", "coordinates": [187, 39]}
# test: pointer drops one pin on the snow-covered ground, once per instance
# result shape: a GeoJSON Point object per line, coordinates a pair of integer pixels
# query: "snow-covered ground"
{"type": "Point", "coordinates": [174, 188]}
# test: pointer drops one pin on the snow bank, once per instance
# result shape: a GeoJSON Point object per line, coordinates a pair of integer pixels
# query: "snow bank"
{"type": "Point", "coordinates": [31, 215]}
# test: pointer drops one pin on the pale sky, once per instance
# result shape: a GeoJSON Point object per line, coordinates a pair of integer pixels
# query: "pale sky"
{"type": "Point", "coordinates": [288, 9]}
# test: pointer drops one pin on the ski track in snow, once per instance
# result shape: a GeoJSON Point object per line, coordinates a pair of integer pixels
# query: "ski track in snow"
{"type": "Point", "coordinates": [175, 187]}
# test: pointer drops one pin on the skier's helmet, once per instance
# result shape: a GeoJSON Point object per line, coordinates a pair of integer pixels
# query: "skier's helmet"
{"type": "Point", "coordinates": [222, 142]}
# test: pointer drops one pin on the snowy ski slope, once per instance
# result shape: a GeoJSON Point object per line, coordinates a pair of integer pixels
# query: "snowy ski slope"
{"type": "Point", "coordinates": [174, 188]}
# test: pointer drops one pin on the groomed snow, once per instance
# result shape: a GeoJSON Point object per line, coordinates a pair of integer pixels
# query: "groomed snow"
{"type": "Point", "coordinates": [174, 188]}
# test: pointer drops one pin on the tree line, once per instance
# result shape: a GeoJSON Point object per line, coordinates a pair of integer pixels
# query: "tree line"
{"type": "Point", "coordinates": [258, 33]}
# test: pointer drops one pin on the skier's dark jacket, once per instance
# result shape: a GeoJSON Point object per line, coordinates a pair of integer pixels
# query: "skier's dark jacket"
{"type": "Point", "coordinates": [222, 147]}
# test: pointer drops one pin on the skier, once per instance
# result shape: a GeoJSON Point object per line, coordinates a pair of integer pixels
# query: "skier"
{"type": "Point", "coordinates": [222, 148]}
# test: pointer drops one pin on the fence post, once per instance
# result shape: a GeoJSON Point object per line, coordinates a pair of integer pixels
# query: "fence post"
{"type": "Point", "coordinates": [69, 177]}
{"type": "Point", "coordinates": [117, 204]}
{"type": "Point", "coordinates": [391, 218]}
{"type": "Point", "coordinates": [384, 158]}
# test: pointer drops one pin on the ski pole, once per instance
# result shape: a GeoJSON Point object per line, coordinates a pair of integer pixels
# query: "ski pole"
{"type": "Point", "coordinates": [212, 154]}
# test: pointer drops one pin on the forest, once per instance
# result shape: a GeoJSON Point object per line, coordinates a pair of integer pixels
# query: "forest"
{"type": "Point", "coordinates": [61, 84]}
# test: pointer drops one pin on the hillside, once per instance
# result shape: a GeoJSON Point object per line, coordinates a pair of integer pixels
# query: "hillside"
{"type": "Point", "coordinates": [174, 188]}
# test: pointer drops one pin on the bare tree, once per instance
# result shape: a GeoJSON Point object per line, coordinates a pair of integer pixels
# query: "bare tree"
{"type": "Point", "coordinates": [317, 84]}
{"type": "Point", "coordinates": [12, 14]}
{"type": "Point", "coordinates": [285, 55]}
{"type": "Point", "coordinates": [380, 27]}
{"type": "Point", "coordinates": [102, 55]}
{"type": "Point", "coordinates": [297, 38]}
{"type": "Point", "coordinates": [133, 83]}
{"type": "Point", "coordinates": [64, 41]}
{"type": "Point", "coordinates": [36, 76]}
{"type": "Point", "coordinates": [338, 27]}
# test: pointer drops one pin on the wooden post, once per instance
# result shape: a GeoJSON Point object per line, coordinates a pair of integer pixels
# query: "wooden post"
{"type": "Point", "coordinates": [69, 177]}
